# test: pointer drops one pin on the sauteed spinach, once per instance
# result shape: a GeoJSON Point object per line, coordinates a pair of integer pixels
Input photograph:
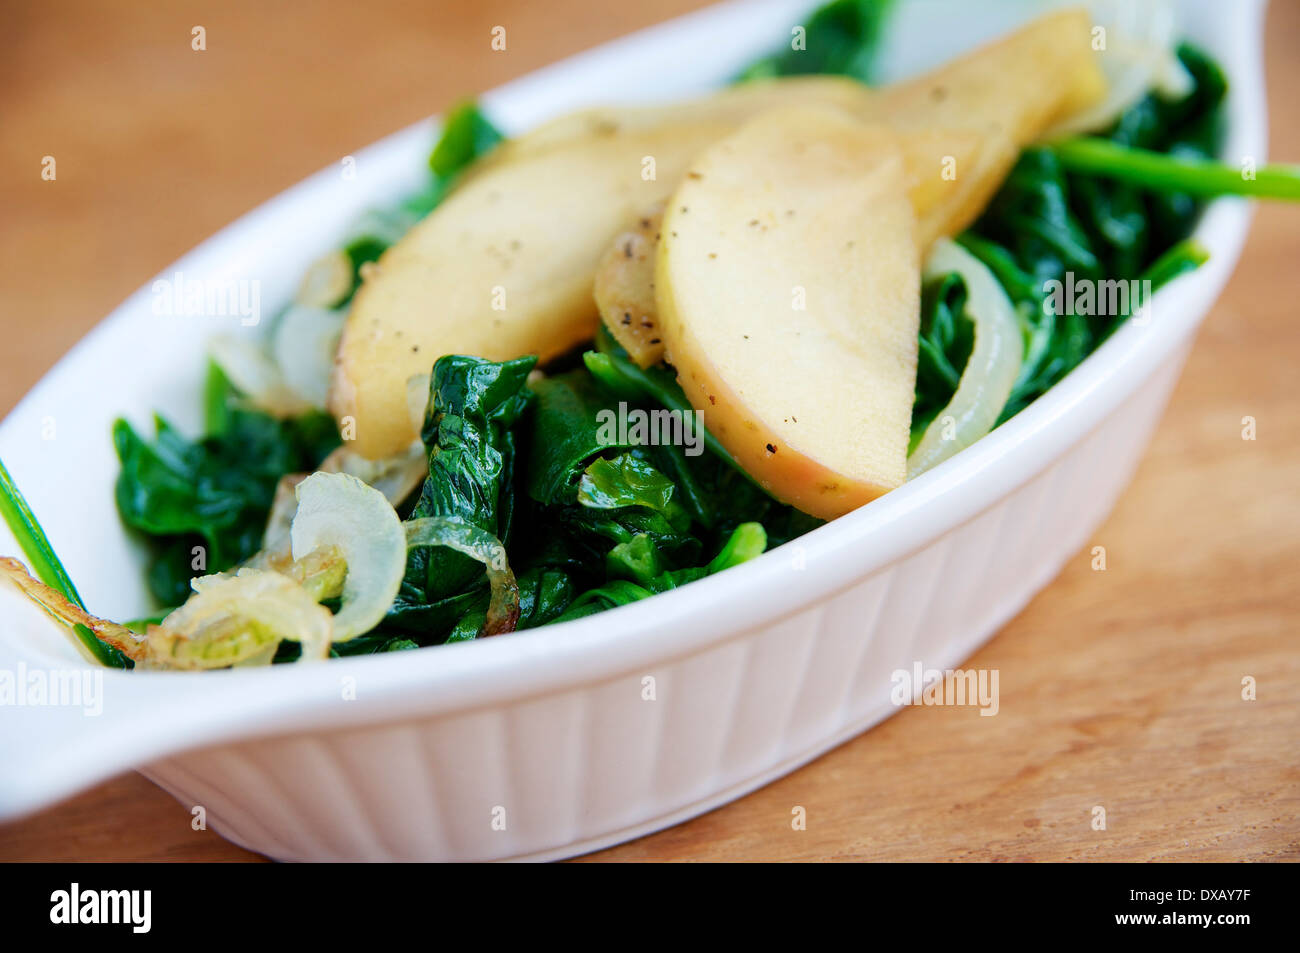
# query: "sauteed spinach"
{"type": "Point", "coordinates": [590, 524]}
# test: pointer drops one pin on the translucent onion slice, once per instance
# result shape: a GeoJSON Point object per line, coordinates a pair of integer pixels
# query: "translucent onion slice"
{"type": "Point", "coordinates": [395, 477]}
{"type": "Point", "coordinates": [327, 281]}
{"type": "Point", "coordinates": [321, 572]}
{"type": "Point", "coordinates": [255, 374]}
{"type": "Point", "coordinates": [503, 607]}
{"type": "Point", "coordinates": [337, 509]}
{"type": "Point", "coordinates": [303, 347]}
{"type": "Point", "coordinates": [234, 619]}
{"type": "Point", "coordinates": [991, 370]}
{"type": "Point", "coordinates": [284, 506]}
{"type": "Point", "coordinates": [258, 660]}
{"type": "Point", "coordinates": [1139, 56]}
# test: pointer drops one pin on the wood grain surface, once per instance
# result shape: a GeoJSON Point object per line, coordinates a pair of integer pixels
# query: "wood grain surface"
{"type": "Point", "coordinates": [1119, 689]}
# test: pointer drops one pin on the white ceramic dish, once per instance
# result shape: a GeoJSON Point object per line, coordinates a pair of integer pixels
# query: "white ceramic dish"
{"type": "Point", "coordinates": [756, 671]}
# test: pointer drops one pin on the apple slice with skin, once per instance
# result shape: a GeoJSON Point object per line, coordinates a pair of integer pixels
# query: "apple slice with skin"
{"type": "Point", "coordinates": [788, 283]}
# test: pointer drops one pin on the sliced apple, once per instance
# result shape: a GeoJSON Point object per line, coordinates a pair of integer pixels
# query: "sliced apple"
{"type": "Point", "coordinates": [951, 176]}
{"type": "Point", "coordinates": [505, 266]}
{"type": "Point", "coordinates": [960, 128]}
{"type": "Point", "coordinates": [502, 268]}
{"type": "Point", "coordinates": [1015, 86]}
{"type": "Point", "coordinates": [625, 282]}
{"type": "Point", "coordinates": [625, 289]}
{"type": "Point", "coordinates": [979, 110]}
{"type": "Point", "coordinates": [787, 282]}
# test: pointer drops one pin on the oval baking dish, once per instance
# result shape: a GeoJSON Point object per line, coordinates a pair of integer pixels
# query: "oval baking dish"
{"type": "Point", "coordinates": [422, 755]}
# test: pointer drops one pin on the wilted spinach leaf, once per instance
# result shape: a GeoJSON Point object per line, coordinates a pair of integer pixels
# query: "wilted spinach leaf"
{"type": "Point", "coordinates": [474, 405]}
{"type": "Point", "coordinates": [215, 492]}
{"type": "Point", "coordinates": [569, 429]}
{"type": "Point", "coordinates": [711, 486]}
{"type": "Point", "coordinates": [636, 569]}
{"type": "Point", "coordinates": [947, 337]}
{"type": "Point", "coordinates": [625, 480]}
{"type": "Point", "coordinates": [543, 595]}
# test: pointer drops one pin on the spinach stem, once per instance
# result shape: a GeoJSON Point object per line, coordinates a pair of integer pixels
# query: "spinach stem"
{"type": "Point", "coordinates": [1205, 178]}
{"type": "Point", "coordinates": [35, 544]}
{"type": "Point", "coordinates": [45, 563]}
{"type": "Point", "coordinates": [1187, 255]}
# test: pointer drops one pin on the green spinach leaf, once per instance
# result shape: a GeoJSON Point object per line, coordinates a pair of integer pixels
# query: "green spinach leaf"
{"type": "Point", "coordinates": [468, 430]}
{"type": "Point", "coordinates": [204, 503]}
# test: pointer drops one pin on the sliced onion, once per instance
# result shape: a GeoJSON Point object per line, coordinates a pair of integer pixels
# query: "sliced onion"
{"type": "Point", "coordinates": [327, 281]}
{"type": "Point", "coordinates": [396, 477]}
{"type": "Point", "coordinates": [1139, 56]}
{"type": "Point", "coordinates": [337, 509]}
{"type": "Point", "coordinates": [233, 619]}
{"type": "Point", "coordinates": [321, 572]}
{"type": "Point", "coordinates": [275, 538]}
{"type": "Point", "coordinates": [503, 607]}
{"type": "Point", "coordinates": [256, 375]}
{"type": "Point", "coordinates": [259, 659]}
{"type": "Point", "coordinates": [293, 376]}
{"type": "Point", "coordinates": [990, 372]}
{"type": "Point", "coordinates": [303, 348]}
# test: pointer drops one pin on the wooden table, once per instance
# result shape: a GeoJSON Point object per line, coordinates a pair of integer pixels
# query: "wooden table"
{"type": "Point", "coordinates": [1119, 688]}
